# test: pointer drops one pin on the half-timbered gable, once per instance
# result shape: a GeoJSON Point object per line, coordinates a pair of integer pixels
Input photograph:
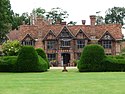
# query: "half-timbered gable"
{"type": "Point", "coordinates": [65, 33]}
{"type": "Point", "coordinates": [50, 36]}
{"type": "Point", "coordinates": [28, 40]}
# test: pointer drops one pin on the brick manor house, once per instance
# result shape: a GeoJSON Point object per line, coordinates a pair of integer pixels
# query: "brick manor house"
{"type": "Point", "coordinates": [64, 43]}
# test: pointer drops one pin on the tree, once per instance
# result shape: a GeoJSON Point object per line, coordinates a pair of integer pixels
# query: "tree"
{"type": "Point", "coordinates": [5, 18]}
{"type": "Point", "coordinates": [39, 12]}
{"type": "Point", "coordinates": [115, 15]}
{"type": "Point", "coordinates": [57, 14]}
{"type": "Point", "coordinates": [99, 19]}
{"type": "Point", "coordinates": [11, 48]}
{"type": "Point", "coordinates": [18, 20]}
{"type": "Point", "coordinates": [72, 23]}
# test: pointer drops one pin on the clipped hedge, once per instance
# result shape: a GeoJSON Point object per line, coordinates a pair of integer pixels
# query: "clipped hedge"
{"type": "Point", "coordinates": [28, 60]}
{"type": "Point", "coordinates": [91, 56]}
{"type": "Point", "coordinates": [7, 63]}
{"type": "Point", "coordinates": [43, 66]}
{"type": "Point", "coordinates": [112, 64]}
{"type": "Point", "coordinates": [43, 55]}
{"type": "Point", "coordinates": [116, 56]}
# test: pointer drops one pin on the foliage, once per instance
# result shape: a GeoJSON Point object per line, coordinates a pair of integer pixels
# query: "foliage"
{"type": "Point", "coordinates": [27, 60]}
{"type": "Point", "coordinates": [11, 48]}
{"type": "Point", "coordinates": [39, 12]}
{"type": "Point", "coordinates": [43, 55]}
{"type": "Point", "coordinates": [18, 20]}
{"type": "Point", "coordinates": [91, 55]}
{"type": "Point", "coordinates": [116, 56]}
{"type": "Point", "coordinates": [43, 65]}
{"type": "Point", "coordinates": [7, 63]}
{"type": "Point", "coordinates": [99, 19]}
{"type": "Point", "coordinates": [57, 14]}
{"type": "Point", "coordinates": [72, 23]}
{"type": "Point", "coordinates": [112, 64]}
{"type": "Point", "coordinates": [115, 15]}
{"type": "Point", "coordinates": [5, 18]}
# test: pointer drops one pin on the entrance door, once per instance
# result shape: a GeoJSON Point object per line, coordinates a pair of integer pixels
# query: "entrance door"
{"type": "Point", "coordinates": [66, 58]}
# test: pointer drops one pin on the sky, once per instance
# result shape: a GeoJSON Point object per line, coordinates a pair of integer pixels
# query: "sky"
{"type": "Point", "coordinates": [77, 9]}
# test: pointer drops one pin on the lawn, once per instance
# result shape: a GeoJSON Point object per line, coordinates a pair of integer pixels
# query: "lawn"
{"type": "Point", "coordinates": [56, 82]}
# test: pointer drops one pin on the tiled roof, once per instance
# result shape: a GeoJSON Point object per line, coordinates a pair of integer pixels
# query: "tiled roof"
{"type": "Point", "coordinates": [13, 35]}
{"type": "Point", "coordinates": [41, 31]}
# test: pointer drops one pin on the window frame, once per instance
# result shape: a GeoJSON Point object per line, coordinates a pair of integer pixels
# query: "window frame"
{"type": "Point", "coordinates": [51, 56]}
{"type": "Point", "coordinates": [65, 43]}
{"type": "Point", "coordinates": [28, 42]}
{"type": "Point", "coordinates": [80, 44]}
{"type": "Point", "coordinates": [107, 44]}
{"type": "Point", "coordinates": [51, 44]}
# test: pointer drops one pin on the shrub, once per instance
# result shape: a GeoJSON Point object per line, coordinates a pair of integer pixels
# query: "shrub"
{"type": "Point", "coordinates": [27, 60]}
{"type": "Point", "coordinates": [11, 48]}
{"type": "Point", "coordinates": [7, 63]}
{"type": "Point", "coordinates": [43, 66]}
{"type": "Point", "coordinates": [90, 57]}
{"type": "Point", "coordinates": [116, 56]}
{"type": "Point", "coordinates": [112, 64]}
{"type": "Point", "coordinates": [43, 55]}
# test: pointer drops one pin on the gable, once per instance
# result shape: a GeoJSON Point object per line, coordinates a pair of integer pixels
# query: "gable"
{"type": "Point", "coordinates": [65, 33]}
{"type": "Point", "coordinates": [28, 38]}
{"type": "Point", "coordinates": [107, 36]}
{"type": "Point", "coordinates": [49, 35]}
{"type": "Point", "coordinates": [81, 35]}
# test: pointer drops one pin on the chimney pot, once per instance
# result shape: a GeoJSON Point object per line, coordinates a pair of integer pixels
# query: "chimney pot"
{"type": "Point", "coordinates": [83, 22]}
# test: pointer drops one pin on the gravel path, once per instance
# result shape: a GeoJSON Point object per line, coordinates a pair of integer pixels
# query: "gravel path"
{"type": "Point", "coordinates": [62, 67]}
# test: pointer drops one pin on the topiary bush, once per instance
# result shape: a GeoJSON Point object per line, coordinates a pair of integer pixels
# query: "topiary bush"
{"type": "Point", "coordinates": [91, 56]}
{"type": "Point", "coordinates": [43, 55]}
{"type": "Point", "coordinates": [7, 63]}
{"type": "Point", "coordinates": [28, 60]}
{"type": "Point", "coordinates": [43, 65]}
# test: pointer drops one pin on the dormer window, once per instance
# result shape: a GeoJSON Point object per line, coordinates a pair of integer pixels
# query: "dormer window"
{"type": "Point", "coordinates": [106, 40]}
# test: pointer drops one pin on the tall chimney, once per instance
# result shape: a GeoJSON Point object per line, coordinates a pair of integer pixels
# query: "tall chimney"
{"type": "Point", "coordinates": [92, 20]}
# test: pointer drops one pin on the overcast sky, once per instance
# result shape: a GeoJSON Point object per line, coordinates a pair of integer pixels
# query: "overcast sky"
{"type": "Point", "coordinates": [77, 9]}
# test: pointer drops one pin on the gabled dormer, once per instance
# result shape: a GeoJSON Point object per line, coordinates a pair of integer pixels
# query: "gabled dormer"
{"type": "Point", "coordinates": [106, 40]}
{"type": "Point", "coordinates": [81, 39]}
{"type": "Point", "coordinates": [65, 33]}
{"type": "Point", "coordinates": [50, 35]}
{"type": "Point", "coordinates": [106, 36]}
{"type": "Point", "coordinates": [28, 40]}
{"type": "Point", "coordinates": [81, 35]}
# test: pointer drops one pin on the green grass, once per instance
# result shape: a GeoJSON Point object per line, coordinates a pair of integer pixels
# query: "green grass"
{"type": "Point", "coordinates": [57, 82]}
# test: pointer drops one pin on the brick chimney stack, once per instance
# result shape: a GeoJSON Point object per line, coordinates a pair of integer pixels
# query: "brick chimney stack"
{"type": "Point", "coordinates": [92, 20]}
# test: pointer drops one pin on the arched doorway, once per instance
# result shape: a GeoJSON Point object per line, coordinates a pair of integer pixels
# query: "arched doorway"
{"type": "Point", "coordinates": [65, 58]}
